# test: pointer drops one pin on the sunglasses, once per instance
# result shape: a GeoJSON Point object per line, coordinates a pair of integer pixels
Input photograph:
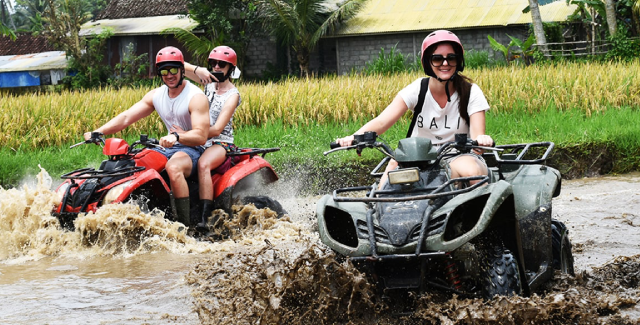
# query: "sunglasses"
{"type": "Point", "coordinates": [438, 60]}
{"type": "Point", "coordinates": [221, 64]}
{"type": "Point", "coordinates": [172, 71]}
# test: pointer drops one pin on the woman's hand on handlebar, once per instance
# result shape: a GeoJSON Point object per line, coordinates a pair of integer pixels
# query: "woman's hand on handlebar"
{"type": "Point", "coordinates": [485, 140]}
{"type": "Point", "coordinates": [346, 141]}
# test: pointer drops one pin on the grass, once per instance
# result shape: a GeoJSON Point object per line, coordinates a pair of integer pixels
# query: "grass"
{"type": "Point", "coordinates": [568, 103]}
{"type": "Point", "coordinates": [302, 146]}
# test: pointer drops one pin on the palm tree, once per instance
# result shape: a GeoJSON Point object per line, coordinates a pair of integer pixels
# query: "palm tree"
{"type": "Point", "coordinates": [610, 7]}
{"type": "Point", "coordinates": [5, 17]}
{"type": "Point", "coordinates": [29, 15]}
{"type": "Point", "coordinates": [538, 29]}
{"type": "Point", "coordinates": [301, 23]}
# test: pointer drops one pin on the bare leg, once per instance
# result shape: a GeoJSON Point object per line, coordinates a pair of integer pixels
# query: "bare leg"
{"type": "Point", "coordinates": [213, 157]}
{"type": "Point", "coordinates": [179, 168]}
{"type": "Point", "coordinates": [466, 166]}
{"type": "Point", "coordinates": [392, 165]}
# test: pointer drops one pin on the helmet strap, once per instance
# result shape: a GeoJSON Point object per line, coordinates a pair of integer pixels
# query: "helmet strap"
{"type": "Point", "coordinates": [446, 85]}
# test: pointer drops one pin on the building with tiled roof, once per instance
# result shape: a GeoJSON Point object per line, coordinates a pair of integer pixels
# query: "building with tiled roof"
{"type": "Point", "coordinates": [30, 61]}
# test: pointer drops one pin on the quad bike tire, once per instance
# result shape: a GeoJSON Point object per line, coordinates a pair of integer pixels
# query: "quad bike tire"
{"type": "Point", "coordinates": [262, 202]}
{"type": "Point", "coordinates": [561, 245]}
{"type": "Point", "coordinates": [502, 274]}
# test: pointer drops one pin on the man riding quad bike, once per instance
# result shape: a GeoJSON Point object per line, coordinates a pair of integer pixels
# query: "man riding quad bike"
{"type": "Point", "coordinates": [474, 236]}
{"type": "Point", "coordinates": [137, 174]}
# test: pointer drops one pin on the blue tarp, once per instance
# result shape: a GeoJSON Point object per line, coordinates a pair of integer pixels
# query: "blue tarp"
{"type": "Point", "coordinates": [18, 79]}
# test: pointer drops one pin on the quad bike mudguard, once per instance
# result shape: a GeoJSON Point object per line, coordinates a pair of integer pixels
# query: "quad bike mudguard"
{"type": "Point", "coordinates": [244, 178]}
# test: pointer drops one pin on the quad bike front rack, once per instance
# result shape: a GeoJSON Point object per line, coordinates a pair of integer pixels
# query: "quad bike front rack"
{"type": "Point", "coordinates": [434, 193]}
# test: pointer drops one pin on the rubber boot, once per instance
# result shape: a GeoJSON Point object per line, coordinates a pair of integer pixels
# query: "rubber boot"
{"type": "Point", "coordinates": [207, 209]}
{"type": "Point", "coordinates": [183, 211]}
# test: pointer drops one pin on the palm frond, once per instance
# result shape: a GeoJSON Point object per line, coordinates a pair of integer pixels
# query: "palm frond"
{"type": "Point", "coordinates": [280, 17]}
{"type": "Point", "coordinates": [198, 46]}
{"type": "Point", "coordinates": [345, 11]}
{"type": "Point", "coordinates": [4, 30]}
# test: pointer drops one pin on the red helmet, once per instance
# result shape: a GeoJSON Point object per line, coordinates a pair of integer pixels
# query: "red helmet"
{"type": "Point", "coordinates": [224, 53]}
{"type": "Point", "coordinates": [169, 55]}
{"type": "Point", "coordinates": [435, 38]}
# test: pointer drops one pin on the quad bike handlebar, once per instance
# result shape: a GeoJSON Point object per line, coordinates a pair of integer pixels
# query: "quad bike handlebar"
{"type": "Point", "coordinates": [362, 141]}
{"type": "Point", "coordinates": [98, 138]}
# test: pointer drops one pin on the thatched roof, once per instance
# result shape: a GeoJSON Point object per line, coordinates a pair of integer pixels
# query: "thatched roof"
{"type": "Point", "coordinates": [118, 9]}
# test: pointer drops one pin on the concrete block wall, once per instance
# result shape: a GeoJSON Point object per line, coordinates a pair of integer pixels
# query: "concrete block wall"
{"type": "Point", "coordinates": [261, 51]}
{"type": "Point", "coordinates": [346, 54]}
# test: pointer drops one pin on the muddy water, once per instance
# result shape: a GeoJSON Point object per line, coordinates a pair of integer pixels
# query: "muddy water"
{"type": "Point", "coordinates": [125, 267]}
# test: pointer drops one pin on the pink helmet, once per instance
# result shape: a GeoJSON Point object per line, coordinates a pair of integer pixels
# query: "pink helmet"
{"type": "Point", "coordinates": [169, 56]}
{"type": "Point", "coordinates": [224, 53]}
{"type": "Point", "coordinates": [435, 38]}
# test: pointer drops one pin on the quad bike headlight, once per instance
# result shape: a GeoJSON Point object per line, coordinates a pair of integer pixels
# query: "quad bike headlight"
{"type": "Point", "coordinates": [61, 190]}
{"type": "Point", "coordinates": [404, 176]}
{"type": "Point", "coordinates": [115, 192]}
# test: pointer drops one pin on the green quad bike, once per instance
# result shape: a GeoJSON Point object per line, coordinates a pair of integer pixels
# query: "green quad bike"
{"type": "Point", "coordinates": [475, 236]}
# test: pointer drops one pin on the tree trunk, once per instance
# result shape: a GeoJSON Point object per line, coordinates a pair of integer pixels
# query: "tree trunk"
{"type": "Point", "coordinates": [538, 29]}
{"type": "Point", "coordinates": [610, 7]}
{"type": "Point", "coordinates": [303, 60]}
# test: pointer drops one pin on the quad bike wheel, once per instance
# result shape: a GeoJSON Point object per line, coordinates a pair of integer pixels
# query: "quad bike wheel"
{"type": "Point", "coordinates": [262, 202]}
{"type": "Point", "coordinates": [502, 276]}
{"type": "Point", "coordinates": [562, 255]}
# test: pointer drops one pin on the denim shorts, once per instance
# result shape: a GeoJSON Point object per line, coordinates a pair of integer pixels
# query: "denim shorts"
{"type": "Point", "coordinates": [193, 152]}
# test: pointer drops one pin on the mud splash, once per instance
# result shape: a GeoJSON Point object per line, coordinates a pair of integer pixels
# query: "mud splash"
{"type": "Point", "coordinates": [281, 285]}
{"type": "Point", "coordinates": [265, 271]}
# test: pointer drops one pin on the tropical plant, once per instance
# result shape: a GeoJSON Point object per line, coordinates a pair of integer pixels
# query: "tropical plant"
{"type": "Point", "coordinates": [393, 62]}
{"type": "Point", "coordinates": [132, 70]}
{"type": "Point", "coordinates": [199, 47]}
{"type": "Point", "coordinates": [29, 15]}
{"type": "Point", "coordinates": [4, 30]}
{"type": "Point", "coordinates": [622, 48]}
{"type": "Point", "coordinates": [525, 47]}
{"type": "Point", "coordinates": [301, 23]}
{"type": "Point", "coordinates": [88, 70]}
{"type": "Point", "coordinates": [504, 49]}
{"type": "Point", "coordinates": [228, 22]}
{"type": "Point", "coordinates": [5, 17]}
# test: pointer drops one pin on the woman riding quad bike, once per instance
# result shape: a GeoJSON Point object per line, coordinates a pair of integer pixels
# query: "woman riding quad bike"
{"type": "Point", "coordinates": [137, 174]}
{"type": "Point", "coordinates": [477, 236]}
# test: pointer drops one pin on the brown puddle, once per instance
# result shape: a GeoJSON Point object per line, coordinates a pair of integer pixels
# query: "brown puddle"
{"type": "Point", "coordinates": [275, 271]}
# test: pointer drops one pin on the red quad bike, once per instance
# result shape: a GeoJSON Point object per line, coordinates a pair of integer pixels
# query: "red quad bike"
{"type": "Point", "coordinates": [137, 173]}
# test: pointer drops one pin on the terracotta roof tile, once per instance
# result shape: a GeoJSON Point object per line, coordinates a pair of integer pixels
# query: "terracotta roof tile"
{"type": "Point", "coordinates": [118, 9]}
{"type": "Point", "coordinates": [24, 44]}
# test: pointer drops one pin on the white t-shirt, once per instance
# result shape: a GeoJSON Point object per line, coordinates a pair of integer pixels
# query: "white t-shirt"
{"type": "Point", "coordinates": [441, 124]}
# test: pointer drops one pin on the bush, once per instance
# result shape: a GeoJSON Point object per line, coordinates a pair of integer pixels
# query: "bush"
{"type": "Point", "coordinates": [622, 48]}
{"type": "Point", "coordinates": [394, 62]}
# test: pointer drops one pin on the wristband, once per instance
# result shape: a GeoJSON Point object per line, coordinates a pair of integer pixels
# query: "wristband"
{"type": "Point", "coordinates": [177, 136]}
{"type": "Point", "coordinates": [194, 69]}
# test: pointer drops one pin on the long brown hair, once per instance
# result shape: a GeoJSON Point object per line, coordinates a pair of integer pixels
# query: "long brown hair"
{"type": "Point", "coordinates": [462, 85]}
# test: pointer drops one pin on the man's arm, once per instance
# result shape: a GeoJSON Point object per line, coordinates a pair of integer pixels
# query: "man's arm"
{"type": "Point", "coordinates": [139, 110]}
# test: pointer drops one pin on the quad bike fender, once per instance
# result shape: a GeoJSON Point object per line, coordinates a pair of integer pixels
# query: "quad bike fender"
{"type": "Point", "coordinates": [336, 226]}
{"type": "Point", "coordinates": [534, 187]}
{"type": "Point", "coordinates": [483, 208]}
{"type": "Point", "coordinates": [133, 183]}
{"type": "Point", "coordinates": [240, 171]}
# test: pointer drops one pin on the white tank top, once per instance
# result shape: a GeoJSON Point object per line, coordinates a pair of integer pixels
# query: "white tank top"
{"type": "Point", "coordinates": [175, 111]}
